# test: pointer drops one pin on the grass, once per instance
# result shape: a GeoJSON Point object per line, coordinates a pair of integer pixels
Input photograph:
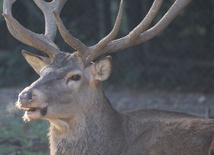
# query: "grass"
{"type": "Point", "coordinates": [17, 137]}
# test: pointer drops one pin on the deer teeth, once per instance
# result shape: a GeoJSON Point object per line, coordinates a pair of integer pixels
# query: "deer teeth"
{"type": "Point", "coordinates": [31, 109]}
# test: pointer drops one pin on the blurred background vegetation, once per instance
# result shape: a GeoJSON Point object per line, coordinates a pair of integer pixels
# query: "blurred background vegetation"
{"type": "Point", "coordinates": [180, 58]}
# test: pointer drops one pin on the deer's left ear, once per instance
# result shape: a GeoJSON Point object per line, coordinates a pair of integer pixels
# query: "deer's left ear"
{"type": "Point", "coordinates": [37, 62]}
{"type": "Point", "coordinates": [101, 70]}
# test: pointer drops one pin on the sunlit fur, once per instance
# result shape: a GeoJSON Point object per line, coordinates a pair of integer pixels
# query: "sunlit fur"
{"type": "Point", "coordinates": [82, 120]}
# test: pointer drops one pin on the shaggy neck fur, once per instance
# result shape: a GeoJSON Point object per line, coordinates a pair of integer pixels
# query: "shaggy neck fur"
{"type": "Point", "coordinates": [95, 130]}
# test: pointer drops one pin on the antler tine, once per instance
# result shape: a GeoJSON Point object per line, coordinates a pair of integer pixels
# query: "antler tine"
{"type": "Point", "coordinates": [7, 12]}
{"type": "Point", "coordinates": [26, 36]}
{"type": "Point", "coordinates": [69, 38]}
{"type": "Point", "coordinates": [132, 35]}
{"type": "Point", "coordinates": [174, 10]}
{"type": "Point", "coordinates": [135, 33]}
{"type": "Point", "coordinates": [47, 9]}
{"type": "Point", "coordinates": [10, 27]}
{"type": "Point", "coordinates": [103, 42]}
{"type": "Point", "coordinates": [126, 42]}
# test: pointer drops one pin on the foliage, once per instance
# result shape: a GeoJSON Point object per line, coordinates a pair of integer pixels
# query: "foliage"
{"type": "Point", "coordinates": [13, 69]}
{"type": "Point", "coordinates": [1, 6]}
{"type": "Point", "coordinates": [16, 136]}
{"type": "Point", "coordinates": [184, 47]}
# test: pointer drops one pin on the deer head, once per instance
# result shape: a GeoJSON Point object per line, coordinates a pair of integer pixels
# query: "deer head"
{"type": "Point", "coordinates": [70, 82]}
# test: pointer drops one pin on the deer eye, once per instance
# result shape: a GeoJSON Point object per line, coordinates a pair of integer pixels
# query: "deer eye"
{"type": "Point", "coordinates": [76, 77]}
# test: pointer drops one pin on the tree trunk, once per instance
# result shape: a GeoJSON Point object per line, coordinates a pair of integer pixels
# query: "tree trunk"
{"type": "Point", "coordinates": [107, 23]}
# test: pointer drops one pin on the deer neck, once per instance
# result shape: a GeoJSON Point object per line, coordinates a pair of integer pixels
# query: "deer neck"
{"type": "Point", "coordinates": [95, 124]}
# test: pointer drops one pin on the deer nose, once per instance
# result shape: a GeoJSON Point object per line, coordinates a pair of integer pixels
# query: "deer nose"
{"type": "Point", "coordinates": [25, 97]}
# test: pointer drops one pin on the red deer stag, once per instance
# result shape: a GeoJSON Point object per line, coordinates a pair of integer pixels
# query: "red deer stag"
{"type": "Point", "coordinates": [69, 94]}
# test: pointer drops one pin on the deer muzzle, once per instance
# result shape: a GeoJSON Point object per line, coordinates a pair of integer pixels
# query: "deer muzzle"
{"type": "Point", "coordinates": [28, 101]}
{"type": "Point", "coordinates": [25, 98]}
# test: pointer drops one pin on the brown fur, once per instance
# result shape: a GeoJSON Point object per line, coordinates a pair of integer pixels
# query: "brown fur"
{"type": "Point", "coordinates": [69, 95]}
{"type": "Point", "coordinates": [82, 120]}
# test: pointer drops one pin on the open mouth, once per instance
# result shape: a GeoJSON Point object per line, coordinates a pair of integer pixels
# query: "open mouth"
{"type": "Point", "coordinates": [30, 111]}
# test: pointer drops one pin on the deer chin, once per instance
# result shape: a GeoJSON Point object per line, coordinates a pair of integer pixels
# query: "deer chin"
{"type": "Point", "coordinates": [32, 113]}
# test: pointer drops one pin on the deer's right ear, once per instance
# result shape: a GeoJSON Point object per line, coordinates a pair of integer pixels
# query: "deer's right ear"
{"type": "Point", "coordinates": [101, 70]}
{"type": "Point", "coordinates": [36, 62]}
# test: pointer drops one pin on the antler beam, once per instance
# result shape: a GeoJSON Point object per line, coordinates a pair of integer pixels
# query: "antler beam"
{"type": "Point", "coordinates": [47, 9]}
{"type": "Point", "coordinates": [41, 42]}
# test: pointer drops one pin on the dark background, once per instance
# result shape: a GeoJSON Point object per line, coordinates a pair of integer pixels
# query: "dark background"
{"type": "Point", "coordinates": [180, 58]}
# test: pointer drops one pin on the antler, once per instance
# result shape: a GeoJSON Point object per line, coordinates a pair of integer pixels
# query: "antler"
{"type": "Point", "coordinates": [140, 33]}
{"type": "Point", "coordinates": [133, 35]}
{"type": "Point", "coordinates": [84, 51]}
{"type": "Point", "coordinates": [69, 38]}
{"type": "Point", "coordinates": [51, 11]}
{"type": "Point", "coordinates": [41, 42]}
